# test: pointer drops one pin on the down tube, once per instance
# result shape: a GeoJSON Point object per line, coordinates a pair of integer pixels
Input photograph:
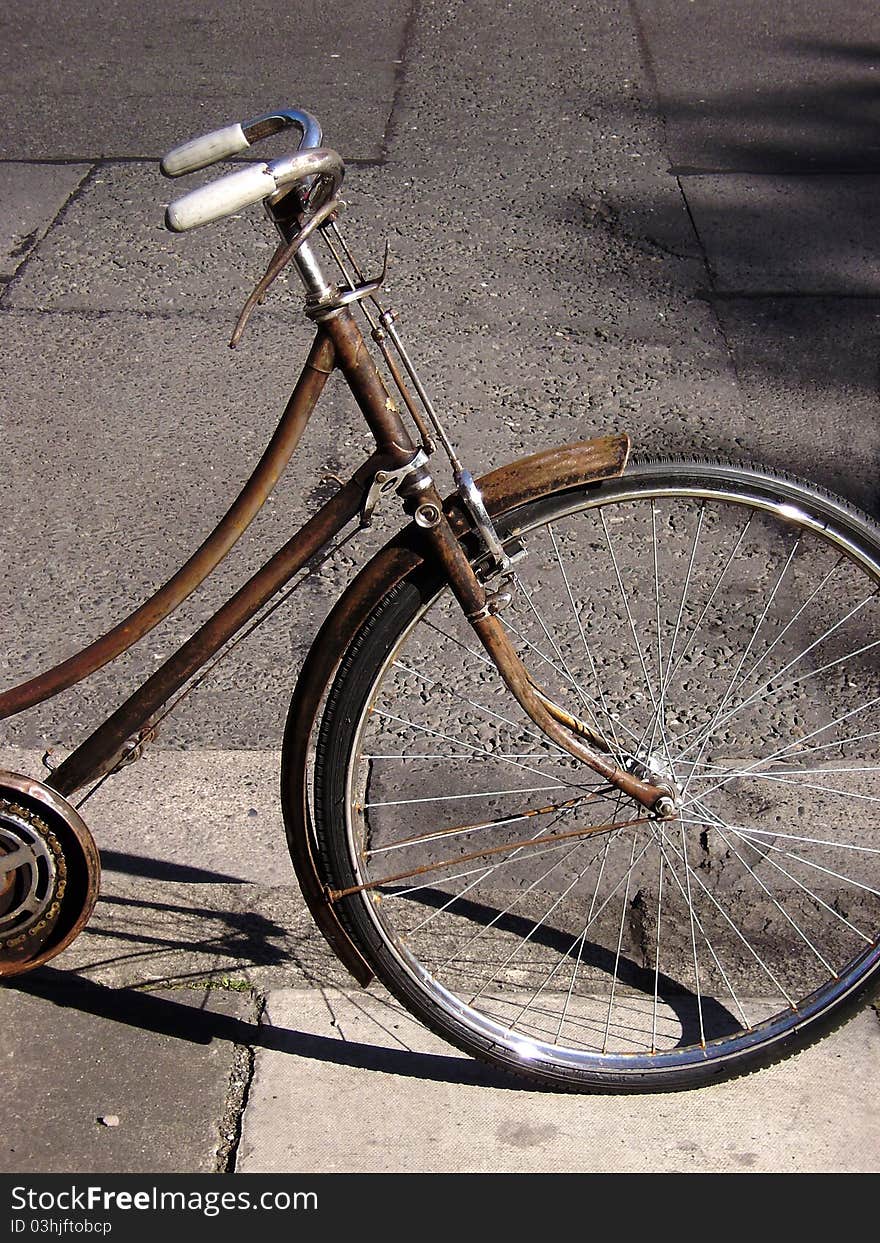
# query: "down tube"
{"type": "Point", "coordinates": [102, 749]}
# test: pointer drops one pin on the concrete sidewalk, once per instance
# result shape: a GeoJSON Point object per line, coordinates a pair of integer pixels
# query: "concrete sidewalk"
{"type": "Point", "coordinates": [602, 216]}
{"type": "Point", "coordinates": [214, 1023]}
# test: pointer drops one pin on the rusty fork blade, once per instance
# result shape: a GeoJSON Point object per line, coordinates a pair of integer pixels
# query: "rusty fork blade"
{"type": "Point", "coordinates": [334, 895]}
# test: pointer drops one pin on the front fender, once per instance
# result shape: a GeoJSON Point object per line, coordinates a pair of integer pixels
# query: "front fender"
{"type": "Point", "coordinates": [504, 489]}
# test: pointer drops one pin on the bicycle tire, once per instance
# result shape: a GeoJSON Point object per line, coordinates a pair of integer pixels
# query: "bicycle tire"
{"type": "Point", "coordinates": [594, 973]}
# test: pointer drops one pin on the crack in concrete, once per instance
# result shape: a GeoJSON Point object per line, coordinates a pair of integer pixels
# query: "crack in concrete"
{"type": "Point", "coordinates": [406, 39]}
{"type": "Point", "coordinates": [241, 1077]}
{"type": "Point", "coordinates": [638, 923]}
{"type": "Point", "coordinates": [30, 245]}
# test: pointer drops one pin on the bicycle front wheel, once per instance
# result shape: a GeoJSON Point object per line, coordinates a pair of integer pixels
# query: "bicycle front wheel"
{"type": "Point", "coordinates": [718, 626]}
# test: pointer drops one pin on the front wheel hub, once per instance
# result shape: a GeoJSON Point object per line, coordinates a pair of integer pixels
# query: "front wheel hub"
{"type": "Point", "coordinates": [655, 770]}
{"type": "Point", "coordinates": [666, 808]}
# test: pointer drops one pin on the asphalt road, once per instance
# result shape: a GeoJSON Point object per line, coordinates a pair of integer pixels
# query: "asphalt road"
{"type": "Point", "coordinates": [601, 218]}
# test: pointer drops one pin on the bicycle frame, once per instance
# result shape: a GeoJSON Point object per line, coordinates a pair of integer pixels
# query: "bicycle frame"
{"type": "Point", "coordinates": [358, 780]}
{"type": "Point", "coordinates": [397, 463]}
{"type": "Point", "coordinates": [436, 534]}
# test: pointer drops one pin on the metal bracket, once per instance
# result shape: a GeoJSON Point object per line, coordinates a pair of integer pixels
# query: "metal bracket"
{"type": "Point", "coordinates": [385, 481]}
{"type": "Point", "coordinates": [320, 310]}
{"type": "Point", "coordinates": [473, 502]}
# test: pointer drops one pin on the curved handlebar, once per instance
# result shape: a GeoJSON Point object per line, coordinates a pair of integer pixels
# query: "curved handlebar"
{"type": "Point", "coordinates": [254, 183]}
{"type": "Point", "coordinates": [319, 168]}
{"type": "Point", "coordinates": [231, 140]}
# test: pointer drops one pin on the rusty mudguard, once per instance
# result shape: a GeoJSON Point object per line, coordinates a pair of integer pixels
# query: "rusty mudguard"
{"type": "Point", "coordinates": [504, 489]}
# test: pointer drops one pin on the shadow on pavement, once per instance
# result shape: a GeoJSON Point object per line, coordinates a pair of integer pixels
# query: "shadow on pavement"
{"type": "Point", "coordinates": [183, 1022]}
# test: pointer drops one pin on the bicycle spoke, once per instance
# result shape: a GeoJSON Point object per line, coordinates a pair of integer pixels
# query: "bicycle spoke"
{"type": "Point", "coordinates": [484, 873]}
{"type": "Point", "coordinates": [713, 725]}
{"type": "Point", "coordinates": [582, 941]}
{"type": "Point", "coordinates": [670, 675]}
{"type": "Point", "coordinates": [690, 907]}
{"type": "Point", "coordinates": [657, 955]}
{"type": "Point", "coordinates": [629, 617]}
{"type": "Point", "coordinates": [617, 952]}
{"type": "Point", "coordinates": [527, 595]}
{"type": "Point", "coordinates": [511, 906]}
{"type": "Point", "coordinates": [790, 876]}
{"type": "Point", "coordinates": [686, 894]}
{"type": "Point", "coordinates": [618, 751]}
{"type": "Point", "coordinates": [445, 798]}
{"type": "Point", "coordinates": [592, 704]}
{"type": "Point", "coordinates": [537, 925]}
{"type": "Point", "coordinates": [563, 957]}
{"type": "Point", "coordinates": [481, 751]}
{"type": "Point", "coordinates": [815, 841]}
{"type": "Point", "coordinates": [787, 686]}
{"type": "Point", "coordinates": [656, 723]}
{"type": "Point", "coordinates": [782, 910]}
{"type": "Point", "coordinates": [744, 831]}
{"type": "Point", "coordinates": [488, 713]}
{"type": "Point", "coordinates": [739, 934]}
{"type": "Point", "coordinates": [784, 750]}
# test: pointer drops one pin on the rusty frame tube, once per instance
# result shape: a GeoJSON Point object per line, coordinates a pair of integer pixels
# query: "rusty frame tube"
{"type": "Point", "coordinates": [367, 386]}
{"type": "Point", "coordinates": [380, 411]}
{"type": "Point", "coordinates": [104, 747]}
{"type": "Point", "coordinates": [470, 594]}
{"type": "Point", "coordinates": [339, 342]}
{"type": "Point", "coordinates": [192, 574]}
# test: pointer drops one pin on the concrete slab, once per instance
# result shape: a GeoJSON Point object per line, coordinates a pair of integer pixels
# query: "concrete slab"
{"type": "Point", "coordinates": [31, 196]}
{"type": "Point", "coordinates": [72, 1058]}
{"type": "Point", "coordinates": [743, 88]}
{"type": "Point", "coordinates": [797, 235]}
{"type": "Point", "coordinates": [348, 1082]}
{"type": "Point", "coordinates": [190, 71]}
{"type": "Point", "coordinates": [206, 816]}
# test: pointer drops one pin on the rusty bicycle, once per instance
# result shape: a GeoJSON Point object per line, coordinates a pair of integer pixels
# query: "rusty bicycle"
{"type": "Point", "coordinates": [583, 763]}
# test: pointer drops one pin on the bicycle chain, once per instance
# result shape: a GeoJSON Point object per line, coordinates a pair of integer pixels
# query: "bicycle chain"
{"type": "Point", "coordinates": [52, 912]}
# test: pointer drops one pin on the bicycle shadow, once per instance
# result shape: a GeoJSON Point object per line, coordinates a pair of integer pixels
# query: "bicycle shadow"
{"type": "Point", "coordinates": [166, 1017]}
{"type": "Point", "coordinates": [248, 938]}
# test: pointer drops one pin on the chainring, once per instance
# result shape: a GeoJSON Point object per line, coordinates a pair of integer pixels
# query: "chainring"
{"type": "Point", "coordinates": [49, 873]}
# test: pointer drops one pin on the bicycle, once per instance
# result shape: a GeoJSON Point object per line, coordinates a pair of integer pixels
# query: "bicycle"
{"type": "Point", "coordinates": [581, 765]}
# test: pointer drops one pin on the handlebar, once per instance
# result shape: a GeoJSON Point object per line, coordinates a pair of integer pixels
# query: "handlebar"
{"type": "Point", "coordinates": [320, 168]}
{"type": "Point", "coordinates": [253, 184]}
{"type": "Point", "coordinates": [231, 140]}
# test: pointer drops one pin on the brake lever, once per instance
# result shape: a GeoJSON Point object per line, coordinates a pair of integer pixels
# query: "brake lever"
{"type": "Point", "coordinates": [279, 261]}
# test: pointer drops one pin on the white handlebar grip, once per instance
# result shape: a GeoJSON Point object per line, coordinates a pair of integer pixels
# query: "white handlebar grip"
{"type": "Point", "coordinates": [220, 198]}
{"type": "Point", "coordinates": [200, 152]}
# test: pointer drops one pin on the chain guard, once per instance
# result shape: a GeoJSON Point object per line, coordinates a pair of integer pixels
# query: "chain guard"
{"type": "Point", "coordinates": [49, 874]}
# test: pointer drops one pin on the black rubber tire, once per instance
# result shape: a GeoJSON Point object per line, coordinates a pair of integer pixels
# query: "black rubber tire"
{"type": "Point", "coordinates": [352, 690]}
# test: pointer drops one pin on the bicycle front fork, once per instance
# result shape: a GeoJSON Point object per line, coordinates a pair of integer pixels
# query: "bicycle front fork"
{"type": "Point", "coordinates": [561, 727]}
{"type": "Point", "coordinates": [329, 307]}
